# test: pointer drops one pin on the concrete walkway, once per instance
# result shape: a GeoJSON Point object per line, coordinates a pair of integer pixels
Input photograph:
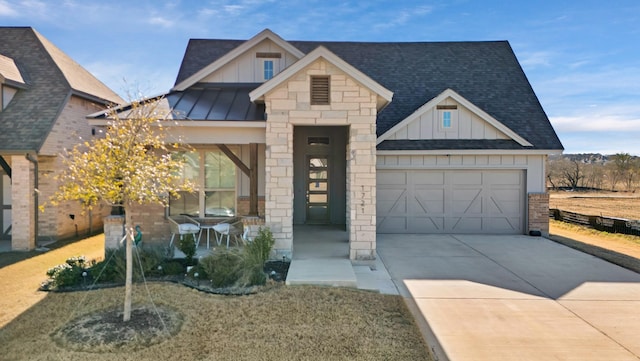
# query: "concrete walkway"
{"type": "Point", "coordinates": [514, 298]}
{"type": "Point", "coordinates": [321, 257]}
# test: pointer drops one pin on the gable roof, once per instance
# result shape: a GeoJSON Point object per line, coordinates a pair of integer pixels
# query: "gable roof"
{"type": "Point", "coordinates": [322, 52]}
{"type": "Point", "coordinates": [51, 77]}
{"type": "Point", "coordinates": [223, 60]}
{"type": "Point", "coordinates": [486, 73]}
{"type": "Point", "coordinates": [448, 93]}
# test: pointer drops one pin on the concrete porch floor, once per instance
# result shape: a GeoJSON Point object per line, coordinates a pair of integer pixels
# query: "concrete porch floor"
{"type": "Point", "coordinates": [321, 257]}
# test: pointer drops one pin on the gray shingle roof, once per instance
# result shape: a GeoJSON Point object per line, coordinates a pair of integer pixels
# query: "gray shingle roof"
{"type": "Point", "coordinates": [50, 77]}
{"type": "Point", "coordinates": [485, 73]}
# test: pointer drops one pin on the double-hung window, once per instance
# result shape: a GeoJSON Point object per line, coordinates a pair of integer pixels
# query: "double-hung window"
{"type": "Point", "coordinates": [214, 176]}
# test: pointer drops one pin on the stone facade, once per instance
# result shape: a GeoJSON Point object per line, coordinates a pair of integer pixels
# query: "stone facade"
{"type": "Point", "coordinates": [538, 213]}
{"type": "Point", "coordinates": [288, 105]}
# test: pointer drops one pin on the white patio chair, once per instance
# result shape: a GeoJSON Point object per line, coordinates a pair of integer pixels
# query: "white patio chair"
{"type": "Point", "coordinates": [181, 225]}
{"type": "Point", "coordinates": [221, 230]}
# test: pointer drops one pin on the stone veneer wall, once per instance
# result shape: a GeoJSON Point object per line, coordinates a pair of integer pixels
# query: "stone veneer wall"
{"type": "Point", "coordinates": [351, 105]}
{"type": "Point", "coordinates": [538, 219]}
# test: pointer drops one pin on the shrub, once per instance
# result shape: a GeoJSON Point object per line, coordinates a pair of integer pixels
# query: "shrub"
{"type": "Point", "coordinates": [258, 251]}
{"type": "Point", "coordinates": [223, 267]}
{"type": "Point", "coordinates": [226, 268]}
{"type": "Point", "coordinates": [187, 245]}
{"type": "Point", "coordinates": [68, 273]}
{"type": "Point", "coordinates": [114, 267]}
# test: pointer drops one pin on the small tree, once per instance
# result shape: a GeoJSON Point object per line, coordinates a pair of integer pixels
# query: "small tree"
{"type": "Point", "coordinates": [130, 165]}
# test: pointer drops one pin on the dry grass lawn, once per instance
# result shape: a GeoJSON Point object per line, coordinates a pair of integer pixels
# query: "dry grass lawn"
{"type": "Point", "coordinates": [22, 272]}
{"type": "Point", "coordinates": [282, 323]}
{"type": "Point", "coordinates": [621, 249]}
{"type": "Point", "coordinates": [607, 204]}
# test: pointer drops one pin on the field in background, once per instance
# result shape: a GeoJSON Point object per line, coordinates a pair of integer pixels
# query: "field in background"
{"type": "Point", "coordinates": [607, 204]}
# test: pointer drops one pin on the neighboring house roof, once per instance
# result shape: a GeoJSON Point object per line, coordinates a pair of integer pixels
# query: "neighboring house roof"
{"type": "Point", "coordinates": [51, 77]}
{"type": "Point", "coordinates": [487, 74]}
{"type": "Point", "coordinates": [9, 72]}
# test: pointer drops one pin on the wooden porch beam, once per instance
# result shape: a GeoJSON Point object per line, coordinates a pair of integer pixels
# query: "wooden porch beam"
{"type": "Point", "coordinates": [251, 172]}
{"type": "Point", "coordinates": [253, 179]}
{"type": "Point", "coordinates": [5, 166]}
{"type": "Point", "coordinates": [237, 161]}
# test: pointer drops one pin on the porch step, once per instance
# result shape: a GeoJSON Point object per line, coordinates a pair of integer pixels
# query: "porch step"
{"type": "Point", "coordinates": [322, 271]}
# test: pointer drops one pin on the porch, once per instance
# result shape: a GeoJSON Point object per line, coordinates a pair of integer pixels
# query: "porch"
{"type": "Point", "coordinates": [321, 257]}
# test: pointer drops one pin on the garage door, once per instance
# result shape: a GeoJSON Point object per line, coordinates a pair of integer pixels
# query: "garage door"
{"type": "Point", "coordinates": [450, 201]}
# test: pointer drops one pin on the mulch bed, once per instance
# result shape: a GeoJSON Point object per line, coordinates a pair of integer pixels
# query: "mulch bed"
{"type": "Point", "coordinates": [103, 331]}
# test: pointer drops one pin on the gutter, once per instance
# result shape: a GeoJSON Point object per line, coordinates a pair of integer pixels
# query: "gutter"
{"type": "Point", "coordinates": [35, 196]}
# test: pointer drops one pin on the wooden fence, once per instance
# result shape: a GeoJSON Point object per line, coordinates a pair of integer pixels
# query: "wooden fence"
{"type": "Point", "coordinates": [605, 224]}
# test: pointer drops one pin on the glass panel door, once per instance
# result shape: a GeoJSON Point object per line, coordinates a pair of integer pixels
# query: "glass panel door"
{"type": "Point", "coordinates": [317, 190]}
{"type": "Point", "coordinates": [5, 207]}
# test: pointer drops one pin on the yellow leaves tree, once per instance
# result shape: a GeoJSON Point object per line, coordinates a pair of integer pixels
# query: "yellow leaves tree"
{"type": "Point", "coordinates": [132, 164]}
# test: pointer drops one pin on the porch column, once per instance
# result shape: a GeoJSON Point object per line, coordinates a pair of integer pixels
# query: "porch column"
{"type": "Point", "coordinates": [279, 181]}
{"type": "Point", "coordinates": [22, 204]}
{"type": "Point", "coordinates": [361, 191]}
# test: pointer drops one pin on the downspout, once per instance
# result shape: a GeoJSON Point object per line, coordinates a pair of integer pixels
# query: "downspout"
{"type": "Point", "coordinates": [35, 196]}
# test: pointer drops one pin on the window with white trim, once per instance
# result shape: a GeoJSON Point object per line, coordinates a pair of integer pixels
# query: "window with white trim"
{"type": "Point", "coordinates": [267, 67]}
{"type": "Point", "coordinates": [216, 185]}
{"type": "Point", "coordinates": [447, 117]}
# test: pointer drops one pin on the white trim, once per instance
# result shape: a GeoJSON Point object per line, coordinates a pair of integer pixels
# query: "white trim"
{"type": "Point", "coordinates": [449, 93]}
{"type": "Point", "coordinates": [322, 52]}
{"type": "Point", "coordinates": [471, 151]}
{"type": "Point", "coordinates": [225, 59]}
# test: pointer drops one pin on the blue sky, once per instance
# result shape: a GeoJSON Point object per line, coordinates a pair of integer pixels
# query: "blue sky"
{"type": "Point", "coordinates": [581, 57]}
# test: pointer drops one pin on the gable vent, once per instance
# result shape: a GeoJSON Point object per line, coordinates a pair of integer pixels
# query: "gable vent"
{"type": "Point", "coordinates": [320, 90]}
{"type": "Point", "coordinates": [269, 55]}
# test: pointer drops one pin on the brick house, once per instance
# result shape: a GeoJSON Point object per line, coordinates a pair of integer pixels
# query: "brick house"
{"type": "Point", "coordinates": [430, 137]}
{"type": "Point", "coordinates": [45, 99]}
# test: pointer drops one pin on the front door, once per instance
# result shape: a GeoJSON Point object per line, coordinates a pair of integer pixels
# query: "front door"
{"type": "Point", "coordinates": [319, 175]}
{"type": "Point", "coordinates": [317, 189]}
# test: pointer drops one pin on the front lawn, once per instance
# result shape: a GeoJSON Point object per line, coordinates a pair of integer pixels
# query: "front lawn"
{"type": "Point", "coordinates": [281, 323]}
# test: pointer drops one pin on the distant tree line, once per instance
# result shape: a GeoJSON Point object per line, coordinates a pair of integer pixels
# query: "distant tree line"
{"type": "Point", "coordinates": [618, 172]}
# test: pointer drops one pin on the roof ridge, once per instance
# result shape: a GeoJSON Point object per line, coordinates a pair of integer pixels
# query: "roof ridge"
{"type": "Point", "coordinates": [84, 82]}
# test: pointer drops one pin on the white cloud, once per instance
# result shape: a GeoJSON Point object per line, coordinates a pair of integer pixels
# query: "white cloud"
{"type": "Point", "coordinates": [6, 9]}
{"type": "Point", "coordinates": [159, 20]}
{"type": "Point", "coordinates": [233, 9]}
{"type": "Point", "coordinates": [535, 59]}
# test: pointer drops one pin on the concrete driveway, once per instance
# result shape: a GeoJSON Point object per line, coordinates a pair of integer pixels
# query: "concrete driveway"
{"type": "Point", "coordinates": [514, 298]}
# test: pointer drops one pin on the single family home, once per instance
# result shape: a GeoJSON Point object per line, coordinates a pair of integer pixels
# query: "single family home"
{"type": "Point", "coordinates": [375, 137]}
{"type": "Point", "coordinates": [45, 97]}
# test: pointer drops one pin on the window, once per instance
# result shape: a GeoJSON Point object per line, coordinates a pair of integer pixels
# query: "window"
{"type": "Point", "coordinates": [448, 115]}
{"type": "Point", "coordinates": [268, 69]}
{"type": "Point", "coordinates": [267, 65]}
{"type": "Point", "coordinates": [446, 119]}
{"type": "Point", "coordinates": [216, 194]}
{"type": "Point", "coordinates": [320, 91]}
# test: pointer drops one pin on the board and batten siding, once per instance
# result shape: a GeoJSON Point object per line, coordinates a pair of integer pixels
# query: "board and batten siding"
{"type": "Point", "coordinates": [465, 125]}
{"type": "Point", "coordinates": [534, 165]}
{"type": "Point", "coordinates": [248, 69]}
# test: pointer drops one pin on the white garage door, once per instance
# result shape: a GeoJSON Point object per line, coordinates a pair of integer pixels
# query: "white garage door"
{"type": "Point", "coordinates": [450, 201]}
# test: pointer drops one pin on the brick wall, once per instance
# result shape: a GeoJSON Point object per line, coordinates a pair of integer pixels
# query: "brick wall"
{"type": "Point", "coordinates": [352, 105]}
{"type": "Point", "coordinates": [154, 226]}
{"type": "Point", "coordinates": [538, 219]}
{"type": "Point", "coordinates": [242, 206]}
{"type": "Point", "coordinates": [22, 203]}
